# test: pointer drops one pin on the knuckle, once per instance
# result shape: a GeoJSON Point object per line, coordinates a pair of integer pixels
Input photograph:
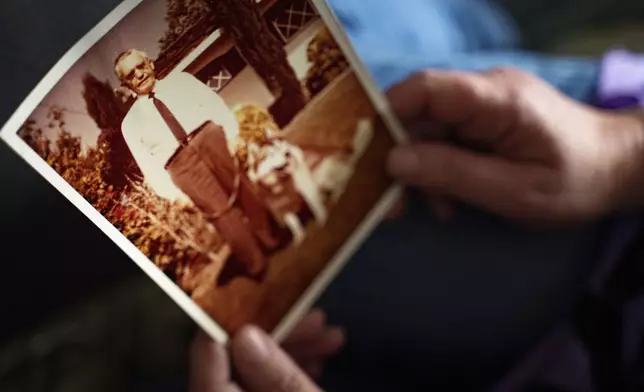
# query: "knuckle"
{"type": "Point", "coordinates": [539, 198]}
{"type": "Point", "coordinates": [515, 82]}
{"type": "Point", "coordinates": [528, 203]}
{"type": "Point", "coordinates": [425, 77]}
{"type": "Point", "coordinates": [526, 209]}
{"type": "Point", "coordinates": [509, 74]}
{"type": "Point", "coordinates": [437, 168]}
{"type": "Point", "coordinates": [478, 87]}
{"type": "Point", "coordinates": [513, 86]}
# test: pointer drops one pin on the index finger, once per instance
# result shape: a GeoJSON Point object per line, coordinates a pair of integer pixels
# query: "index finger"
{"type": "Point", "coordinates": [450, 97]}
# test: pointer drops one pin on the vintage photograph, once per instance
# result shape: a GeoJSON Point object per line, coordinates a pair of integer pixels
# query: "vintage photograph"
{"type": "Point", "coordinates": [231, 141]}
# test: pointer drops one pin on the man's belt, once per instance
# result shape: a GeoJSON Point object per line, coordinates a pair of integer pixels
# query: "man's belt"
{"type": "Point", "coordinates": [183, 143]}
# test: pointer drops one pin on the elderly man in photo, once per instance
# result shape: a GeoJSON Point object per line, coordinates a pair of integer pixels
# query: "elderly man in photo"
{"type": "Point", "coordinates": [182, 135]}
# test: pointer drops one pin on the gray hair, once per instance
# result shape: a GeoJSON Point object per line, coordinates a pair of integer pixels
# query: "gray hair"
{"type": "Point", "coordinates": [123, 55]}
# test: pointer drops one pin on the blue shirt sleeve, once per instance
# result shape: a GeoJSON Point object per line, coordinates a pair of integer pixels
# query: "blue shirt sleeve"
{"type": "Point", "coordinates": [575, 77]}
{"type": "Point", "coordinates": [396, 39]}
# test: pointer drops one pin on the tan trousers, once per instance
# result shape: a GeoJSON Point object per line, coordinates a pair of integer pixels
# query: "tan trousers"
{"type": "Point", "coordinates": [205, 171]}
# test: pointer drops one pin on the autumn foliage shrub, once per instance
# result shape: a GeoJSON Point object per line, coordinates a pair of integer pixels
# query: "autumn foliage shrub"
{"type": "Point", "coordinates": [172, 235]}
{"type": "Point", "coordinates": [327, 60]}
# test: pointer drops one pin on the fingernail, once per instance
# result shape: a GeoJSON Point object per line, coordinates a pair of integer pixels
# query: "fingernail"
{"type": "Point", "coordinates": [339, 333]}
{"type": "Point", "coordinates": [253, 339]}
{"type": "Point", "coordinates": [402, 162]}
{"type": "Point", "coordinates": [337, 337]}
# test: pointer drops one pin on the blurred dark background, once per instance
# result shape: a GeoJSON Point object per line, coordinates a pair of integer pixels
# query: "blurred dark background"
{"type": "Point", "coordinates": [77, 314]}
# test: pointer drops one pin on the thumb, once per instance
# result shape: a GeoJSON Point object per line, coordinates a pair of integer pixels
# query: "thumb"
{"type": "Point", "coordinates": [264, 367]}
{"type": "Point", "coordinates": [485, 181]}
{"type": "Point", "coordinates": [209, 369]}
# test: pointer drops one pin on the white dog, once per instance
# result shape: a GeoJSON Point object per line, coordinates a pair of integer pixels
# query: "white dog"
{"type": "Point", "coordinates": [329, 177]}
{"type": "Point", "coordinates": [334, 172]}
{"type": "Point", "coordinates": [282, 158]}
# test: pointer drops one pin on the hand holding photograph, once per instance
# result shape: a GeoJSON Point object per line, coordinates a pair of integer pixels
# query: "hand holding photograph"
{"type": "Point", "coordinates": [234, 149]}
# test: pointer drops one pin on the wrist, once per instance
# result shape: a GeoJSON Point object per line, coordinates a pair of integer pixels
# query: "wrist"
{"type": "Point", "coordinates": [625, 154]}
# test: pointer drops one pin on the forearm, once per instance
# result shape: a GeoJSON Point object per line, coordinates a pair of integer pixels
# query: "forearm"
{"type": "Point", "coordinates": [625, 156]}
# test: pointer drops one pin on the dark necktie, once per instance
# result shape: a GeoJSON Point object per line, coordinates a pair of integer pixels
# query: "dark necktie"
{"type": "Point", "coordinates": [177, 130]}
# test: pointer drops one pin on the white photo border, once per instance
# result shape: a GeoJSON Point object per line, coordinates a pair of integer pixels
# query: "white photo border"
{"type": "Point", "coordinates": [9, 134]}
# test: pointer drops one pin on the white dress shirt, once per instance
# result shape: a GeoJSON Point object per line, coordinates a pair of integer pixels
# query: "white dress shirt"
{"type": "Point", "coordinates": [150, 139]}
